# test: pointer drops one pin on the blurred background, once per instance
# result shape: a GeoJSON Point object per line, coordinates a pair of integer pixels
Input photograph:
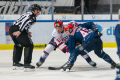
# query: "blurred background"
{"type": "Point", "coordinates": [103, 12]}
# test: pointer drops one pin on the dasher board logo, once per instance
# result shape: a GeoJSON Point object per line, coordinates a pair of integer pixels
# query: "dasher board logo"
{"type": "Point", "coordinates": [99, 28]}
{"type": "Point", "coordinates": [8, 38]}
{"type": "Point", "coordinates": [14, 7]}
{"type": "Point", "coordinates": [7, 26]}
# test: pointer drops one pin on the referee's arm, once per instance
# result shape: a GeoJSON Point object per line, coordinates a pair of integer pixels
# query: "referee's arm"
{"type": "Point", "coordinates": [25, 24]}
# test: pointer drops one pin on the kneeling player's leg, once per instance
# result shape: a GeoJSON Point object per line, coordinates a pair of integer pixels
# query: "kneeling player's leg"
{"type": "Point", "coordinates": [98, 49]}
{"type": "Point", "coordinates": [83, 50]}
{"type": "Point", "coordinates": [71, 61]}
{"type": "Point", "coordinates": [48, 49]}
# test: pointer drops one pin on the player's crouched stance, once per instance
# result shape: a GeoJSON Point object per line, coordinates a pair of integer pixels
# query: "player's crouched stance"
{"type": "Point", "coordinates": [59, 40]}
{"type": "Point", "coordinates": [21, 37]}
{"type": "Point", "coordinates": [89, 41]}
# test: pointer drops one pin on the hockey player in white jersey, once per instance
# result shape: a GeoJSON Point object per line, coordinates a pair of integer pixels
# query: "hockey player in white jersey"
{"type": "Point", "coordinates": [59, 40]}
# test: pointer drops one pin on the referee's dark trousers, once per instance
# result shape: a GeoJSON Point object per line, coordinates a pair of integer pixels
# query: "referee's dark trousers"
{"type": "Point", "coordinates": [23, 40]}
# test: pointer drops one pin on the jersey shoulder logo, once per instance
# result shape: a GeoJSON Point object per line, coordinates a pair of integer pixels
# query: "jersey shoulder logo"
{"type": "Point", "coordinates": [73, 30]}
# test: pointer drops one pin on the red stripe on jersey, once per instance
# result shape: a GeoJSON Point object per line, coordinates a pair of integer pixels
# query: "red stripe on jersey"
{"type": "Point", "coordinates": [60, 44]}
{"type": "Point", "coordinates": [73, 30]}
{"type": "Point", "coordinates": [58, 40]}
{"type": "Point", "coordinates": [64, 48]}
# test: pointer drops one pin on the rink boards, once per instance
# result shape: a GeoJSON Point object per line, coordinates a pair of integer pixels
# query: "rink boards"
{"type": "Point", "coordinates": [42, 46]}
{"type": "Point", "coordinates": [42, 30]}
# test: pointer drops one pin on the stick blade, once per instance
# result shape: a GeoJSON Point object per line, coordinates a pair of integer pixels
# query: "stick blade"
{"type": "Point", "coordinates": [53, 68]}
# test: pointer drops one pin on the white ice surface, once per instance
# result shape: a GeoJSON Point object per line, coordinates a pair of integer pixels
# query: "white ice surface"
{"type": "Point", "coordinates": [81, 70]}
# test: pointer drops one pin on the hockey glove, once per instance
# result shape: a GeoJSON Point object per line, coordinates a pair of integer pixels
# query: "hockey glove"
{"type": "Point", "coordinates": [100, 34]}
{"type": "Point", "coordinates": [66, 43]}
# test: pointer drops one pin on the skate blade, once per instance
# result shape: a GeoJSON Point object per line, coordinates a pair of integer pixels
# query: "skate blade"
{"type": "Point", "coordinates": [37, 66]}
{"type": "Point", "coordinates": [95, 67]}
{"type": "Point", "coordinates": [62, 70]}
{"type": "Point", "coordinates": [17, 68]}
{"type": "Point", "coordinates": [28, 70]}
{"type": "Point", "coordinates": [67, 70]}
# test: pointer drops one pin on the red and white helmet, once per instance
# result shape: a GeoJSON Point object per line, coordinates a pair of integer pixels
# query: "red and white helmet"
{"type": "Point", "coordinates": [58, 23]}
{"type": "Point", "coordinates": [69, 26]}
{"type": "Point", "coordinates": [73, 23]}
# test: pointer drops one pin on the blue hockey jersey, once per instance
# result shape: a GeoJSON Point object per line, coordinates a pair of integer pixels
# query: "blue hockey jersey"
{"type": "Point", "coordinates": [81, 34]}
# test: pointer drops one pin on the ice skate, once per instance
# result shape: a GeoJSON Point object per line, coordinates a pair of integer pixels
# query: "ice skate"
{"type": "Point", "coordinates": [113, 65]}
{"type": "Point", "coordinates": [67, 68]}
{"type": "Point", "coordinates": [28, 67]}
{"type": "Point", "coordinates": [18, 66]}
{"type": "Point", "coordinates": [92, 63]}
{"type": "Point", "coordinates": [39, 63]}
{"type": "Point", "coordinates": [117, 72]}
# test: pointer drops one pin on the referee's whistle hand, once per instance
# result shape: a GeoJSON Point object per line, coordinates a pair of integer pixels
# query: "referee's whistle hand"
{"type": "Point", "coordinates": [17, 33]}
{"type": "Point", "coordinates": [29, 34]}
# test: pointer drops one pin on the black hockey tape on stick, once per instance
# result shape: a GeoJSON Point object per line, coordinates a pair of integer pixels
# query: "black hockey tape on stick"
{"type": "Point", "coordinates": [57, 68]}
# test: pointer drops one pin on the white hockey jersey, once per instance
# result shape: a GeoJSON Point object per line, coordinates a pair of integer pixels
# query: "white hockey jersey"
{"type": "Point", "coordinates": [61, 38]}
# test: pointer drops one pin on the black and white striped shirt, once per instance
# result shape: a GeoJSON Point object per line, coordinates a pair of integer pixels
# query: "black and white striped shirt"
{"type": "Point", "coordinates": [25, 21]}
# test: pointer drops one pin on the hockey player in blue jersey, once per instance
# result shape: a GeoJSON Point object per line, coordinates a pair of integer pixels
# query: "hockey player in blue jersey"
{"type": "Point", "coordinates": [117, 36]}
{"type": "Point", "coordinates": [89, 41]}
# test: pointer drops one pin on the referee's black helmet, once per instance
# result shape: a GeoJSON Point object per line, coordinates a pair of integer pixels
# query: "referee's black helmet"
{"type": "Point", "coordinates": [35, 7]}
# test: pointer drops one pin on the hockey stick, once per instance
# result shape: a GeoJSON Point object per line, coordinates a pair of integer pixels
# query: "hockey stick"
{"type": "Point", "coordinates": [57, 68]}
{"type": "Point", "coordinates": [100, 33]}
{"type": "Point", "coordinates": [103, 30]}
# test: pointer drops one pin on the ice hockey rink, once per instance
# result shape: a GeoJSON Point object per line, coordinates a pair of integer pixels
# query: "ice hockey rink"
{"type": "Point", "coordinates": [81, 70]}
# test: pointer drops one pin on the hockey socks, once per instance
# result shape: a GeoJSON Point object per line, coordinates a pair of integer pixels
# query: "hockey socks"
{"type": "Point", "coordinates": [49, 48]}
{"type": "Point", "coordinates": [107, 58]}
{"type": "Point", "coordinates": [87, 58]}
{"type": "Point", "coordinates": [44, 56]}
